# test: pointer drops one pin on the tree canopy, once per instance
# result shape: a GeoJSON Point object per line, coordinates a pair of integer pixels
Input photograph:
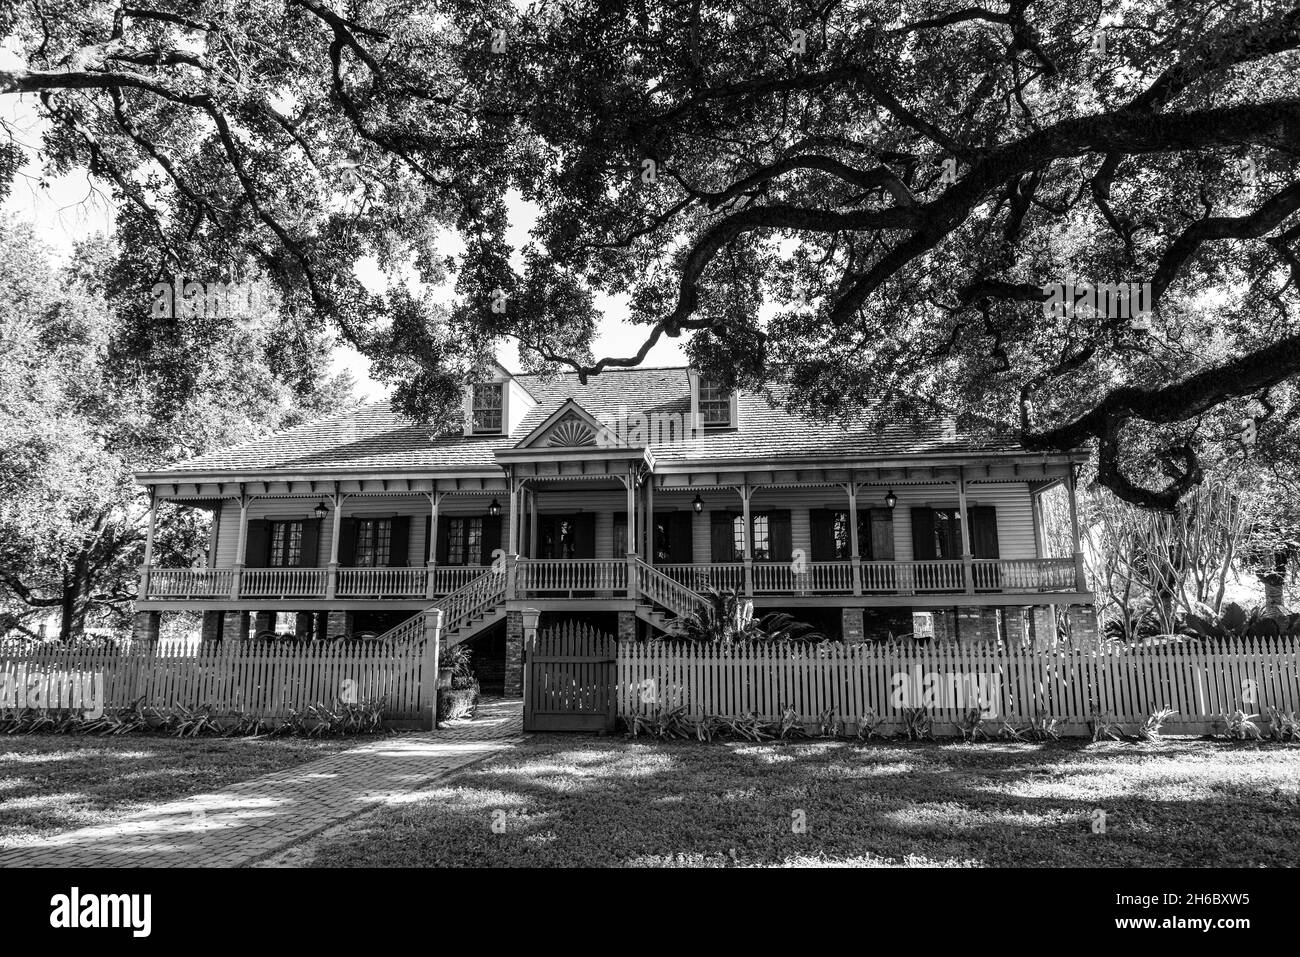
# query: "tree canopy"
{"type": "Point", "coordinates": [871, 201]}
{"type": "Point", "coordinates": [77, 418]}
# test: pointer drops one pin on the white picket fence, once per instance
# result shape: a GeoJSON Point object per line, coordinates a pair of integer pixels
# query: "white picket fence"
{"type": "Point", "coordinates": [261, 678]}
{"type": "Point", "coordinates": [1201, 682]}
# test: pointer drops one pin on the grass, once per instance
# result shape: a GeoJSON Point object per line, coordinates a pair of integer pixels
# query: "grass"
{"type": "Point", "coordinates": [563, 801]}
{"type": "Point", "coordinates": [52, 783]}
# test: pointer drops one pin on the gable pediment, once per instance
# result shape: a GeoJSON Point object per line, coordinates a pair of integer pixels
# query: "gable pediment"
{"type": "Point", "coordinates": [568, 427]}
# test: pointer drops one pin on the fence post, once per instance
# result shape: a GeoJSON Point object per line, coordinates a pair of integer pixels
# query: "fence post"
{"type": "Point", "coordinates": [429, 668]}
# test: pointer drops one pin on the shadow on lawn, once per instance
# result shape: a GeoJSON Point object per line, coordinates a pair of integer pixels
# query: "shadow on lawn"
{"type": "Point", "coordinates": [564, 802]}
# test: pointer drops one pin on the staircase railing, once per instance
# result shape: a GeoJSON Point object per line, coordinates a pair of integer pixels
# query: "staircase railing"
{"type": "Point", "coordinates": [411, 628]}
{"type": "Point", "coordinates": [662, 590]}
{"type": "Point", "coordinates": [485, 591]}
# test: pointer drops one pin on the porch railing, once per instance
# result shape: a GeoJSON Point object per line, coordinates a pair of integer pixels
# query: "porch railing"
{"type": "Point", "coordinates": [183, 583]}
{"type": "Point", "coordinates": [721, 575]}
{"type": "Point", "coordinates": [283, 583]}
{"type": "Point", "coordinates": [383, 582]}
{"type": "Point", "coordinates": [569, 575]}
{"type": "Point", "coordinates": [603, 577]}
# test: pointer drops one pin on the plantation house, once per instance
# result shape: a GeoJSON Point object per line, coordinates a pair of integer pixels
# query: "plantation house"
{"type": "Point", "coordinates": [615, 504]}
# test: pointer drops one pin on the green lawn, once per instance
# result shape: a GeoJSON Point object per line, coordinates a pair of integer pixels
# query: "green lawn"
{"type": "Point", "coordinates": [51, 783]}
{"type": "Point", "coordinates": [569, 801]}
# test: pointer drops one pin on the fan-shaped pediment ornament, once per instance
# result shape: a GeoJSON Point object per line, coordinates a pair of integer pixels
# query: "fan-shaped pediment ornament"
{"type": "Point", "coordinates": [571, 433]}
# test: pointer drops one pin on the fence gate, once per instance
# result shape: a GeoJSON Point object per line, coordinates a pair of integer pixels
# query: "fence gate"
{"type": "Point", "coordinates": [570, 678]}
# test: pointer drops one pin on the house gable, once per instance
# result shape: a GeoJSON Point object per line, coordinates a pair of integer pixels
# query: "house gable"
{"type": "Point", "coordinates": [568, 427]}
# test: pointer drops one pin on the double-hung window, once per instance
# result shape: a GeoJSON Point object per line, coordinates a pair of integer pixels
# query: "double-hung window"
{"type": "Point", "coordinates": [374, 540]}
{"type": "Point", "coordinates": [488, 405]}
{"type": "Point", "coordinates": [715, 404]}
{"type": "Point", "coordinates": [286, 544]}
{"type": "Point", "coordinates": [464, 541]}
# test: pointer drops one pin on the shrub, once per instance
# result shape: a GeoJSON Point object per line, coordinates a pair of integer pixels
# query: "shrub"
{"type": "Point", "coordinates": [1150, 730]}
{"type": "Point", "coordinates": [917, 725]}
{"type": "Point", "coordinates": [1283, 725]}
{"type": "Point", "coordinates": [971, 725]}
{"type": "Point", "coordinates": [458, 702]}
{"type": "Point", "coordinates": [1241, 726]}
{"type": "Point", "coordinates": [1104, 726]}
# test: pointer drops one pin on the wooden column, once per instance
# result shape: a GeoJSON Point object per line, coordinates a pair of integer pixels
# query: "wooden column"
{"type": "Point", "coordinates": [512, 537]}
{"type": "Point", "coordinates": [745, 492]}
{"type": "Point", "coordinates": [236, 580]}
{"type": "Point", "coordinates": [968, 561]}
{"type": "Point", "coordinates": [631, 533]}
{"type": "Point", "coordinates": [431, 546]}
{"type": "Point", "coordinates": [336, 532]}
{"type": "Point", "coordinates": [648, 536]}
{"type": "Point", "coordinates": [146, 570]}
{"type": "Point", "coordinates": [855, 552]}
{"type": "Point", "coordinates": [1080, 572]}
{"type": "Point", "coordinates": [429, 668]}
{"type": "Point", "coordinates": [532, 524]}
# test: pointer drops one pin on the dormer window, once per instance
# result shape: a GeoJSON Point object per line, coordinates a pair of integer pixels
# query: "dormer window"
{"type": "Point", "coordinates": [715, 404]}
{"type": "Point", "coordinates": [488, 407]}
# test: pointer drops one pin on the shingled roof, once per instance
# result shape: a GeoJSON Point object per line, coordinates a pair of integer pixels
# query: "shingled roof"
{"type": "Point", "coordinates": [374, 438]}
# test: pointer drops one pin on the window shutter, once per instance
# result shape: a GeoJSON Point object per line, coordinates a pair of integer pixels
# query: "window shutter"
{"type": "Point", "coordinates": [983, 531]}
{"type": "Point", "coordinates": [779, 537]}
{"type": "Point", "coordinates": [722, 542]}
{"type": "Point", "coordinates": [428, 538]}
{"type": "Point", "coordinates": [399, 542]}
{"type": "Point", "coordinates": [880, 543]}
{"type": "Point", "coordinates": [491, 537]}
{"type": "Point", "coordinates": [619, 544]}
{"type": "Point", "coordinates": [348, 542]}
{"type": "Point", "coordinates": [584, 535]}
{"type": "Point", "coordinates": [922, 534]}
{"type": "Point", "coordinates": [257, 544]}
{"type": "Point", "coordinates": [679, 537]}
{"type": "Point", "coordinates": [821, 523]}
{"type": "Point", "coordinates": [309, 557]}
{"type": "Point", "coordinates": [444, 539]}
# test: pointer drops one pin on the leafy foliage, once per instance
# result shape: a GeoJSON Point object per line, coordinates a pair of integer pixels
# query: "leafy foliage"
{"type": "Point", "coordinates": [728, 616]}
{"type": "Point", "coordinates": [866, 203]}
{"type": "Point", "coordinates": [77, 418]}
{"type": "Point", "coordinates": [1236, 623]}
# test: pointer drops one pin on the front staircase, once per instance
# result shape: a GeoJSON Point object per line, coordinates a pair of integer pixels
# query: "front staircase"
{"type": "Point", "coordinates": [481, 603]}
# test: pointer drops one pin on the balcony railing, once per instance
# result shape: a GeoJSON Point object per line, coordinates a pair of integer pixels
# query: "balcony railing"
{"type": "Point", "coordinates": [602, 578]}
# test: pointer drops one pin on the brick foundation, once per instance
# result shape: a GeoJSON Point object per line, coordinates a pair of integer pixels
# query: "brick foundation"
{"type": "Point", "coordinates": [1019, 626]}
{"type": "Point", "coordinates": [945, 624]}
{"type": "Point", "coordinates": [234, 625]}
{"type": "Point", "coordinates": [513, 681]}
{"type": "Point", "coordinates": [851, 625]}
{"type": "Point", "coordinates": [145, 625]}
{"type": "Point", "coordinates": [211, 626]}
{"type": "Point", "coordinates": [338, 624]}
{"type": "Point", "coordinates": [976, 623]}
{"type": "Point", "coordinates": [1044, 626]}
{"type": "Point", "coordinates": [1083, 624]}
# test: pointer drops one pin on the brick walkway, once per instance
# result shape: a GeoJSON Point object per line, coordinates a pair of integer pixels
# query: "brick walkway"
{"type": "Point", "coordinates": [256, 818]}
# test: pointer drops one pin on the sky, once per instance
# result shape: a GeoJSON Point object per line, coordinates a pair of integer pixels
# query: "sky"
{"type": "Point", "coordinates": [65, 209]}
